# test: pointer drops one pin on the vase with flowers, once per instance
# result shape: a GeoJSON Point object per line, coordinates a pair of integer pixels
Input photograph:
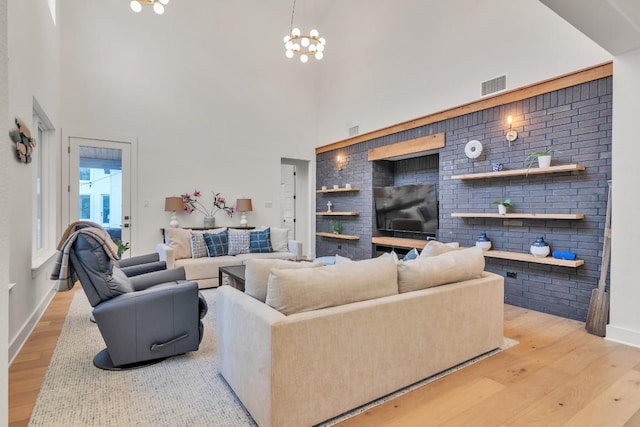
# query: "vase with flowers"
{"type": "Point", "coordinates": [192, 203]}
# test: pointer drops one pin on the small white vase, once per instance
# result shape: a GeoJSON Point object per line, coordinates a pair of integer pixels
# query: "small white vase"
{"type": "Point", "coordinates": [544, 161]}
{"type": "Point", "coordinates": [209, 222]}
{"type": "Point", "coordinates": [502, 209]}
{"type": "Point", "coordinates": [485, 246]}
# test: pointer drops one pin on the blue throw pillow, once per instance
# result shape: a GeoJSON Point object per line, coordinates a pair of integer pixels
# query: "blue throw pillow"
{"type": "Point", "coordinates": [217, 244]}
{"type": "Point", "coordinates": [260, 241]}
{"type": "Point", "coordinates": [412, 254]}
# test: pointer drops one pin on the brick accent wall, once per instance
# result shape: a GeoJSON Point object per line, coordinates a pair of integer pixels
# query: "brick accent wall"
{"type": "Point", "coordinates": [576, 121]}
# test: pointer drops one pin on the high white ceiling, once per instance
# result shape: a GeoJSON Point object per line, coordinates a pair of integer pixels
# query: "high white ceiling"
{"type": "Point", "coordinates": [613, 24]}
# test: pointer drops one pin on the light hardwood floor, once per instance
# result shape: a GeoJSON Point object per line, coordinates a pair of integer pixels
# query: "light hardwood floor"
{"type": "Point", "coordinates": [558, 375]}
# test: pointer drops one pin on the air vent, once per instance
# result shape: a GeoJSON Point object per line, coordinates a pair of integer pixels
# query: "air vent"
{"type": "Point", "coordinates": [354, 130]}
{"type": "Point", "coordinates": [494, 85]}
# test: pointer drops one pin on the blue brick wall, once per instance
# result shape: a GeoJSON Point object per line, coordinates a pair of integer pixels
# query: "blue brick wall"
{"type": "Point", "coordinates": [576, 121]}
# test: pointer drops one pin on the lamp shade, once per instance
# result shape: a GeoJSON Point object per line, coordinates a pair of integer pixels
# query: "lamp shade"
{"type": "Point", "coordinates": [243, 205]}
{"type": "Point", "coordinates": [173, 204]}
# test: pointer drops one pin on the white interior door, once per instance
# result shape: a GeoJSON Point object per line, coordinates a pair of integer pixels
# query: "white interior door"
{"type": "Point", "coordinates": [100, 185]}
{"type": "Point", "coordinates": [288, 198]}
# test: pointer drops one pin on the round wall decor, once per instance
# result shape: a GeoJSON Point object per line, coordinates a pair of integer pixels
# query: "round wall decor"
{"type": "Point", "coordinates": [473, 149]}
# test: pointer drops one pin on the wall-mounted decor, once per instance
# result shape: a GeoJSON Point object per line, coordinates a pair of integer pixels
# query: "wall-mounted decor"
{"type": "Point", "coordinates": [25, 143]}
{"type": "Point", "coordinates": [473, 149]}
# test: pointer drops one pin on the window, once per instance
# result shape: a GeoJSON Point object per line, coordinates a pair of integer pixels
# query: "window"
{"type": "Point", "coordinates": [85, 206]}
{"type": "Point", "coordinates": [105, 208]}
{"type": "Point", "coordinates": [45, 186]}
{"type": "Point", "coordinates": [85, 174]}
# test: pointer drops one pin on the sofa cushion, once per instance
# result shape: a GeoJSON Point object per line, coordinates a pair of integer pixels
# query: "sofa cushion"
{"type": "Point", "coordinates": [257, 274]}
{"type": "Point", "coordinates": [180, 240]}
{"type": "Point", "coordinates": [217, 243]}
{"type": "Point", "coordinates": [206, 268]}
{"type": "Point", "coordinates": [260, 241]}
{"type": "Point", "coordinates": [279, 239]}
{"type": "Point", "coordinates": [238, 241]}
{"type": "Point", "coordinates": [339, 259]}
{"type": "Point", "coordinates": [294, 291]}
{"type": "Point", "coordinates": [435, 248]}
{"type": "Point", "coordinates": [427, 272]}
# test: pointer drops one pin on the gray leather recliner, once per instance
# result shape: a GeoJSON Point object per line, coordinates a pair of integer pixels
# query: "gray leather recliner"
{"type": "Point", "coordinates": [142, 319]}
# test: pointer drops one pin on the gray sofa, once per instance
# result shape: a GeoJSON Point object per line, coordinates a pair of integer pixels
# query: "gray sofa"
{"type": "Point", "coordinates": [332, 338]}
{"type": "Point", "coordinates": [176, 251]}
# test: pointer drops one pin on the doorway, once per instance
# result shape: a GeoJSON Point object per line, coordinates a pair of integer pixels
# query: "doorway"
{"type": "Point", "coordinates": [100, 185]}
{"type": "Point", "coordinates": [295, 202]}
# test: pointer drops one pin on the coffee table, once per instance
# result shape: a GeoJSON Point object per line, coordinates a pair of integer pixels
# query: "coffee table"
{"type": "Point", "coordinates": [236, 275]}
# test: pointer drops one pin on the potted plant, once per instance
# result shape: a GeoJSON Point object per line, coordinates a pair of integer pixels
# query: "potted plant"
{"type": "Point", "coordinates": [122, 247]}
{"type": "Point", "coordinates": [543, 158]}
{"type": "Point", "coordinates": [503, 205]}
{"type": "Point", "coordinates": [336, 227]}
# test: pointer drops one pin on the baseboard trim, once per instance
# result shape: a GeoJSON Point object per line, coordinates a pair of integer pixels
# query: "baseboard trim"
{"type": "Point", "coordinates": [623, 336]}
{"type": "Point", "coordinates": [21, 338]}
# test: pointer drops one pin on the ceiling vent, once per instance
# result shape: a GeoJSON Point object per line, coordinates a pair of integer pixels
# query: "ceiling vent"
{"type": "Point", "coordinates": [494, 85]}
{"type": "Point", "coordinates": [354, 130]}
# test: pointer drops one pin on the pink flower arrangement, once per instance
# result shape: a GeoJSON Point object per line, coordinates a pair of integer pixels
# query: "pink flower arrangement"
{"type": "Point", "coordinates": [192, 203]}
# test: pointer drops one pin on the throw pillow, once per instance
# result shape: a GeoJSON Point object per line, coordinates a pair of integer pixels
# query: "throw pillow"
{"type": "Point", "coordinates": [217, 243]}
{"type": "Point", "coordinates": [435, 248]}
{"type": "Point", "coordinates": [180, 240]}
{"type": "Point", "coordinates": [342, 259]}
{"type": "Point", "coordinates": [412, 254]}
{"type": "Point", "coordinates": [238, 241]}
{"type": "Point", "coordinates": [256, 275]}
{"type": "Point", "coordinates": [260, 241]}
{"type": "Point", "coordinates": [295, 291]}
{"type": "Point", "coordinates": [279, 239]}
{"type": "Point", "coordinates": [427, 272]}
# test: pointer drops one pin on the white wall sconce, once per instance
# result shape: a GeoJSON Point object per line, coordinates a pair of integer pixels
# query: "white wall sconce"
{"type": "Point", "coordinates": [512, 134]}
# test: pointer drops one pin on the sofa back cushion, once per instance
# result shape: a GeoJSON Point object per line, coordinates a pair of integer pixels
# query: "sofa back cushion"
{"type": "Point", "coordinates": [279, 239]}
{"type": "Point", "coordinates": [295, 291]}
{"type": "Point", "coordinates": [180, 240]}
{"type": "Point", "coordinates": [435, 248]}
{"type": "Point", "coordinates": [257, 271]}
{"type": "Point", "coordinates": [427, 272]}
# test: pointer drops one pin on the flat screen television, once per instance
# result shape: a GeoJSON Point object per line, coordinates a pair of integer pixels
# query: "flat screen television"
{"type": "Point", "coordinates": [409, 208]}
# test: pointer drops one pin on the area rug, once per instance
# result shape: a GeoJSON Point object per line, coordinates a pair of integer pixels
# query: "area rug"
{"type": "Point", "coordinates": [184, 390]}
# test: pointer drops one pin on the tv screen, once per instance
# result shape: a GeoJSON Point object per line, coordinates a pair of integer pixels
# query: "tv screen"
{"type": "Point", "coordinates": [410, 208]}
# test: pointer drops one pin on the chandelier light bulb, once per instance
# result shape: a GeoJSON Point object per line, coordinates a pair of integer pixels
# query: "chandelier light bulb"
{"type": "Point", "coordinates": [158, 8]}
{"type": "Point", "coordinates": [164, 1]}
{"type": "Point", "coordinates": [296, 46]}
{"type": "Point", "coordinates": [304, 42]}
{"type": "Point", "coordinates": [319, 55]}
{"type": "Point", "coordinates": [304, 58]}
{"type": "Point", "coordinates": [312, 48]}
{"type": "Point", "coordinates": [322, 40]}
{"type": "Point", "coordinates": [320, 47]}
{"type": "Point", "coordinates": [287, 38]}
{"type": "Point", "coordinates": [295, 32]}
{"type": "Point", "coordinates": [289, 53]}
{"type": "Point", "coordinates": [314, 34]}
{"type": "Point", "coordinates": [135, 6]}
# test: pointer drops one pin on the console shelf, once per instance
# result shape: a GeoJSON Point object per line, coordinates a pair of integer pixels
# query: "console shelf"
{"type": "Point", "coordinates": [337, 236]}
{"type": "Point", "coordinates": [517, 256]}
{"type": "Point", "coordinates": [521, 172]}
{"type": "Point", "coordinates": [353, 213]}
{"type": "Point", "coordinates": [399, 242]}
{"type": "Point", "coordinates": [515, 215]}
{"type": "Point", "coordinates": [338, 190]}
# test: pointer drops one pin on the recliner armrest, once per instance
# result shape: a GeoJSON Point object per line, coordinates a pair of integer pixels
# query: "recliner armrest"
{"type": "Point", "coordinates": [147, 280]}
{"type": "Point", "coordinates": [138, 260]}
{"type": "Point", "coordinates": [136, 270]}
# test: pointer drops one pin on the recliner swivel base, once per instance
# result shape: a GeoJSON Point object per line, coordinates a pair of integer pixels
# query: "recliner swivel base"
{"type": "Point", "coordinates": [102, 360]}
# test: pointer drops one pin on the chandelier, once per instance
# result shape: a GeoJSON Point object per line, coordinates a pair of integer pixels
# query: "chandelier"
{"type": "Point", "coordinates": [295, 43]}
{"type": "Point", "coordinates": [158, 5]}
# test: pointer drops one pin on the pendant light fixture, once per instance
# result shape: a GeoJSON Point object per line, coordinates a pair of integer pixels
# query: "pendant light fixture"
{"type": "Point", "coordinates": [304, 46]}
{"type": "Point", "coordinates": [158, 5]}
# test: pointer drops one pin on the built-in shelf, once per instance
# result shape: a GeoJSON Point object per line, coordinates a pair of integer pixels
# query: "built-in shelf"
{"type": "Point", "coordinates": [338, 190]}
{"type": "Point", "coordinates": [337, 213]}
{"type": "Point", "coordinates": [399, 242]}
{"type": "Point", "coordinates": [515, 215]}
{"type": "Point", "coordinates": [408, 149]}
{"type": "Point", "coordinates": [517, 256]}
{"type": "Point", "coordinates": [521, 172]}
{"type": "Point", "coordinates": [337, 236]}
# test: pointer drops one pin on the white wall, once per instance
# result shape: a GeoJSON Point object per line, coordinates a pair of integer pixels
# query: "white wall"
{"type": "Point", "coordinates": [4, 220]}
{"type": "Point", "coordinates": [426, 56]}
{"type": "Point", "coordinates": [625, 293]}
{"type": "Point", "coordinates": [34, 72]}
{"type": "Point", "coordinates": [205, 89]}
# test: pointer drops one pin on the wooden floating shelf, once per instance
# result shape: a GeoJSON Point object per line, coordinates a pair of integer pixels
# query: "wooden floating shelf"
{"type": "Point", "coordinates": [517, 256]}
{"type": "Point", "coordinates": [337, 236]}
{"type": "Point", "coordinates": [521, 172]}
{"type": "Point", "coordinates": [515, 215]}
{"type": "Point", "coordinates": [408, 149]}
{"type": "Point", "coordinates": [338, 190]}
{"type": "Point", "coordinates": [399, 242]}
{"type": "Point", "coordinates": [337, 213]}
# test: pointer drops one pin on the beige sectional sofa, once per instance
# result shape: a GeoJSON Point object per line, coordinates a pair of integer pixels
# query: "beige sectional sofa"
{"type": "Point", "coordinates": [178, 251]}
{"type": "Point", "coordinates": [332, 338]}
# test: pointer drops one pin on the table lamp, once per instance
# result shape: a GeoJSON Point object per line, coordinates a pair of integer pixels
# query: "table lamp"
{"type": "Point", "coordinates": [173, 204]}
{"type": "Point", "coordinates": [243, 205]}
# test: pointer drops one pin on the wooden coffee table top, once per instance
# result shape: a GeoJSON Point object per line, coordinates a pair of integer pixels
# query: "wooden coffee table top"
{"type": "Point", "coordinates": [236, 272]}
